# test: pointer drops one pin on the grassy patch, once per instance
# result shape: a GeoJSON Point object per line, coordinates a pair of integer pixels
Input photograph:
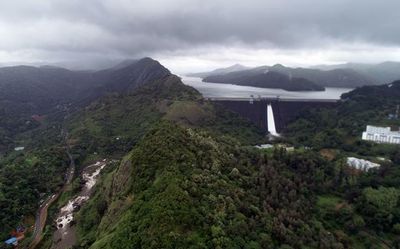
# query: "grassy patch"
{"type": "Point", "coordinates": [329, 201]}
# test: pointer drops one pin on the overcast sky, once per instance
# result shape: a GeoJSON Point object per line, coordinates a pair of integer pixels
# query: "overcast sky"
{"type": "Point", "coordinates": [196, 35]}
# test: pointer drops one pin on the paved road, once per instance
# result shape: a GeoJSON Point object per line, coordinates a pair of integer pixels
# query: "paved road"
{"type": "Point", "coordinates": [40, 221]}
{"type": "Point", "coordinates": [41, 216]}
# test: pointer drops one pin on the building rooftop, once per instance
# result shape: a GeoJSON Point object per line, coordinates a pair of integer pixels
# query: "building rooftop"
{"type": "Point", "coordinates": [11, 241]}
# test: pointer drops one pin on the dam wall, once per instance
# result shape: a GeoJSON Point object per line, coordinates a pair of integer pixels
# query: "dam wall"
{"type": "Point", "coordinates": [284, 111]}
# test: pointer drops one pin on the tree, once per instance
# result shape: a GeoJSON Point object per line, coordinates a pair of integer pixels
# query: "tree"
{"type": "Point", "coordinates": [378, 206]}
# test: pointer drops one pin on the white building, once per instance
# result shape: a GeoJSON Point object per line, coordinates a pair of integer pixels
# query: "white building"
{"type": "Point", "coordinates": [264, 146]}
{"type": "Point", "coordinates": [361, 164]}
{"type": "Point", "coordinates": [381, 135]}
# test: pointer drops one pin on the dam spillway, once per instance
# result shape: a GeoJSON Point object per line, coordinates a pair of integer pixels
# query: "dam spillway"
{"type": "Point", "coordinates": [271, 121]}
{"type": "Point", "coordinates": [284, 111]}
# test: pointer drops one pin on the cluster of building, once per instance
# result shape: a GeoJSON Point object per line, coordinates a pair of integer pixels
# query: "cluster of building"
{"type": "Point", "coordinates": [361, 164]}
{"type": "Point", "coordinates": [381, 135]}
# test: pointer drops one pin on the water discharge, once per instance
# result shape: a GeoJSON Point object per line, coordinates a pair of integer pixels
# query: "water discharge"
{"type": "Point", "coordinates": [271, 121]}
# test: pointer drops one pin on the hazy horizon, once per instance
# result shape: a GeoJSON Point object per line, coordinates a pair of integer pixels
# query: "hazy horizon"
{"type": "Point", "coordinates": [108, 64]}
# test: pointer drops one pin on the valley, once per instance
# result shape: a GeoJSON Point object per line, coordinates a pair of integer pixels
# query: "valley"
{"type": "Point", "coordinates": [170, 124]}
{"type": "Point", "coordinates": [182, 169]}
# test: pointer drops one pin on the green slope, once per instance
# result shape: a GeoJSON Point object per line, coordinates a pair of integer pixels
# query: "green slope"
{"type": "Point", "coordinates": [188, 183]}
{"type": "Point", "coordinates": [179, 188]}
{"type": "Point", "coordinates": [341, 127]}
{"type": "Point", "coordinates": [108, 127]}
{"type": "Point", "coordinates": [112, 125]}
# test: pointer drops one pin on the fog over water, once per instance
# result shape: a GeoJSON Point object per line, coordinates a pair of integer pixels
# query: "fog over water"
{"type": "Point", "coordinates": [217, 90]}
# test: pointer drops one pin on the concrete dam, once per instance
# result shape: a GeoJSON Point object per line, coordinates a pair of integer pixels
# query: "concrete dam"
{"type": "Point", "coordinates": [272, 114]}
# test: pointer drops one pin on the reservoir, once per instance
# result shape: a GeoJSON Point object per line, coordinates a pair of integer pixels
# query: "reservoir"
{"type": "Point", "coordinates": [218, 90]}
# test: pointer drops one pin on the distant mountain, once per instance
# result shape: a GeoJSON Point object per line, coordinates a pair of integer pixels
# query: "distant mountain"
{"type": "Point", "coordinates": [262, 77]}
{"type": "Point", "coordinates": [337, 77]}
{"type": "Point", "coordinates": [26, 91]}
{"type": "Point", "coordinates": [382, 73]}
{"type": "Point", "coordinates": [43, 87]}
{"type": "Point", "coordinates": [340, 77]}
{"type": "Point", "coordinates": [219, 71]}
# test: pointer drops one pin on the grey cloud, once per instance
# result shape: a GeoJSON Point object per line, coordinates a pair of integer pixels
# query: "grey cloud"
{"type": "Point", "coordinates": [126, 28]}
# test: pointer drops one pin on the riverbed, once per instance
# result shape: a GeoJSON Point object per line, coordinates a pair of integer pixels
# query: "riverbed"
{"type": "Point", "coordinates": [65, 235]}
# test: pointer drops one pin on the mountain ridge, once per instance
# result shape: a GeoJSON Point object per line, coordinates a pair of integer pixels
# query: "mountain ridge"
{"type": "Point", "coordinates": [265, 79]}
{"type": "Point", "coordinates": [382, 73]}
{"type": "Point", "coordinates": [333, 77]}
{"type": "Point", "coordinates": [26, 91]}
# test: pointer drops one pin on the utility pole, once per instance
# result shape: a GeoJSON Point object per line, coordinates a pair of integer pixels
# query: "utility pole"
{"type": "Point", "coordinates": [396, 116]}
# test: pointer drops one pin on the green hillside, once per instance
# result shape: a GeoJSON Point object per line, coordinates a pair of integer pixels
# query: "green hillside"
{"type": "Point", "coordinates": [341, 127]}
{"type": "Point", "coordinates": [187, 176]}
{"type": "Point", "coordinates": [179, 188]}
{"type": "Point", "coordinates": [112, 125]}
{"type": "Point", "coordinates": [185, 186]}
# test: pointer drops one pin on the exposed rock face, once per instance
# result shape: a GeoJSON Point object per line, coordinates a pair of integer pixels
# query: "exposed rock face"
{"type": "Point", "coordinates": [121, 179]}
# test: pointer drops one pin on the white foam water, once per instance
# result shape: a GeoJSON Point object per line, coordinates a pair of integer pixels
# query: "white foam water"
{"type": "Point", "coordinates": [66, 214]}
{"type": "Point", "coordinates": [271, 121]}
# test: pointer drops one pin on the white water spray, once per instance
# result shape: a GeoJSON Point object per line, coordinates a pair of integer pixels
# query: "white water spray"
{"type": "Point", "coordinates": [271, 121]}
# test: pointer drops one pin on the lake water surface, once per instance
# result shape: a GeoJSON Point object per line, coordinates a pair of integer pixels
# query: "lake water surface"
{"type": "Point", "coordinates": [218, 90]}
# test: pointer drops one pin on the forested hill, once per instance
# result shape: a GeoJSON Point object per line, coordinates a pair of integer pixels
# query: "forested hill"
{"type": "Point", "coordinates": [110, 126]}
{"type": "Point", "coordinates": [187, 174]}
{"type": "Point", "coordinates": [185, 181]}
{"type": "Point", "coordinates": [113, 124]}
{"type": "Point", "coordinates": [182, 188]}
{"type": "Point", "coordinates": [27, 92]}
{"type": "Point", "coordinates": [337, 77]}
{"type": "Point", "coordinates": [341, 127]}
{"type": "Point", "coordinates": [265, 79]}
{"type": "Point", "coordinates": [55, 94]}
{"type": "Point", "coordinates": [371, 198]}
{"type": "Point", "coordinates": [387, 92]}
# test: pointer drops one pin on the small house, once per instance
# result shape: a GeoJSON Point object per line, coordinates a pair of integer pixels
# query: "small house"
{"type": "Point", "coordinates": [12, 241]}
